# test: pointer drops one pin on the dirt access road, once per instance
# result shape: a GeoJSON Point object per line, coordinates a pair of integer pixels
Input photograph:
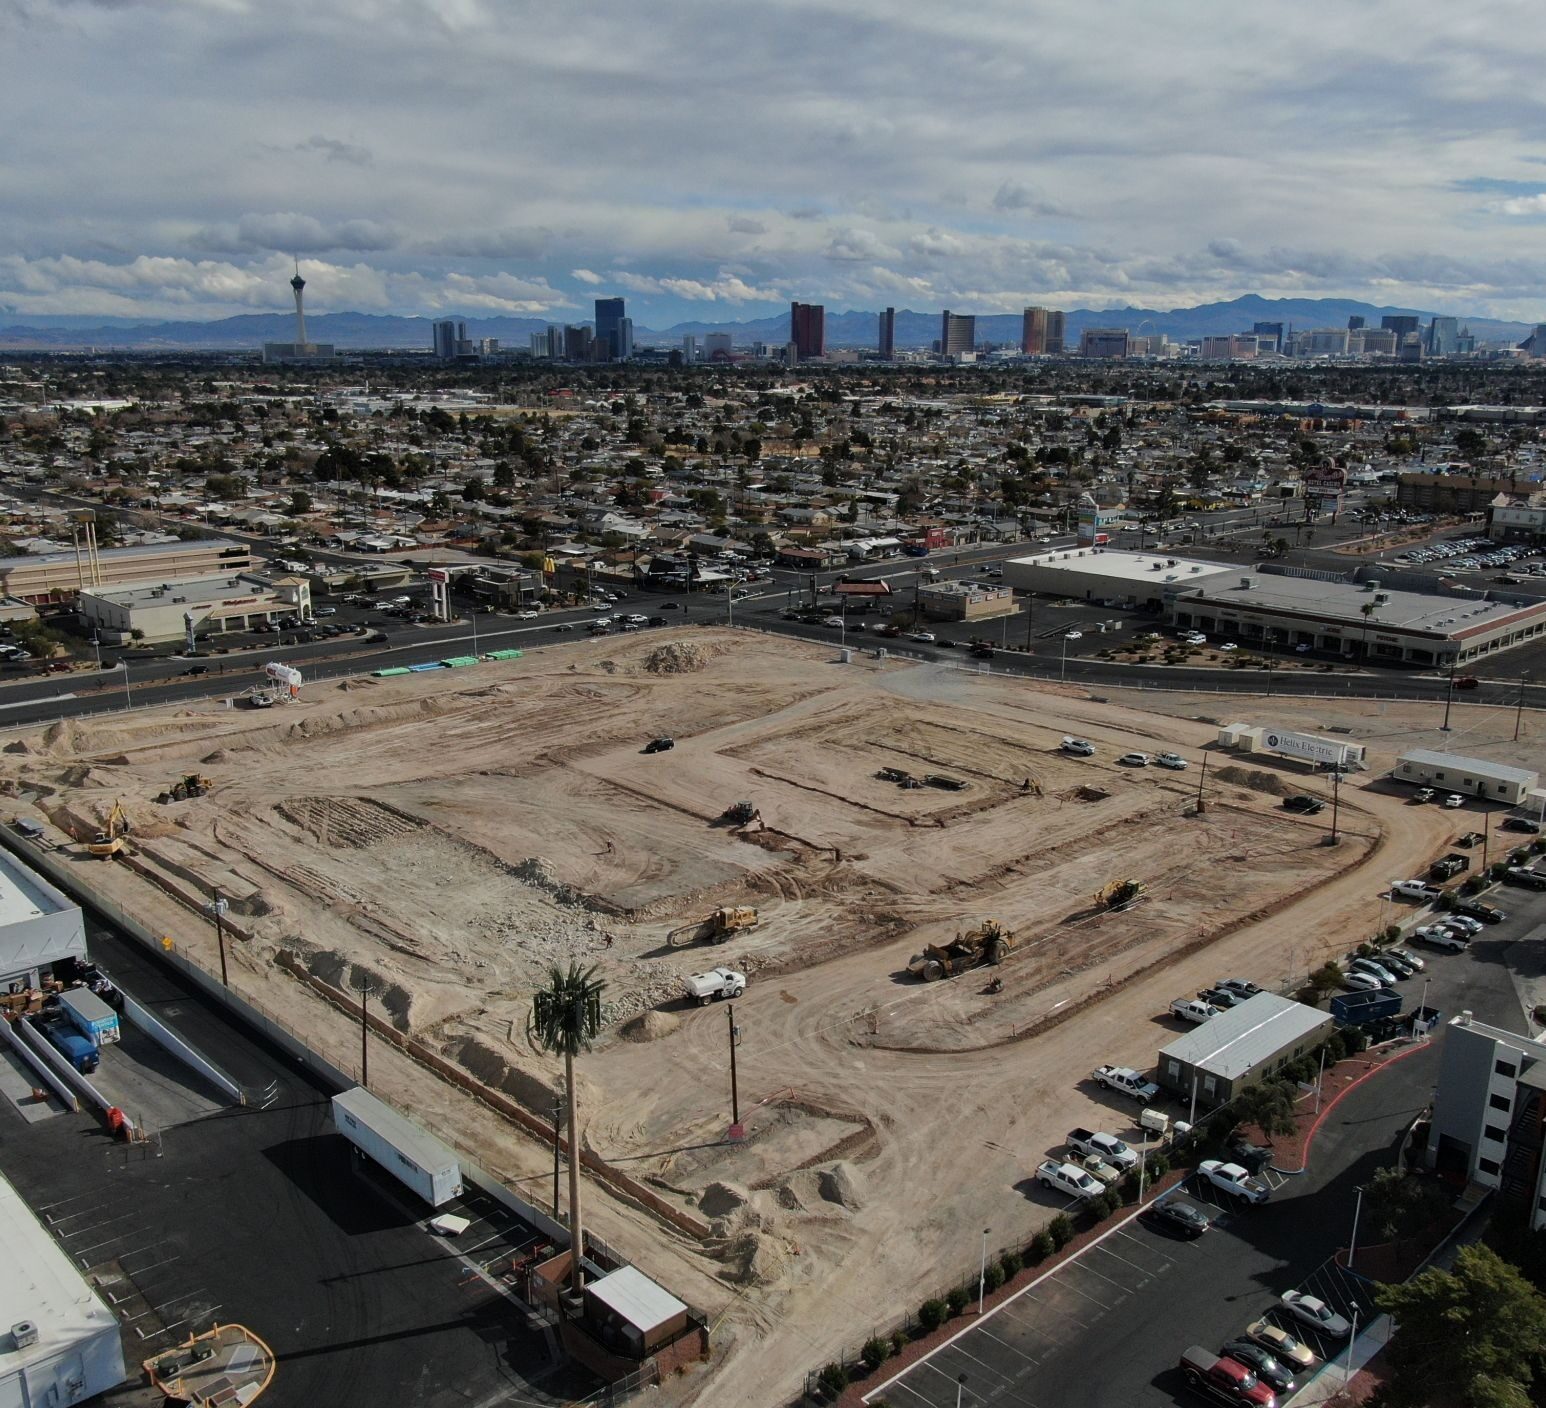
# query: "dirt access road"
{"type": "Point", "coordinates": [444, 838]}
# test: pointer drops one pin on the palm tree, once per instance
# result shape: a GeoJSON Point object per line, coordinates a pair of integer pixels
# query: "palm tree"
{"type": "Point", "coordinates": [565, 1018]}
{"type": "Point", "coordinates": [1368, 609]}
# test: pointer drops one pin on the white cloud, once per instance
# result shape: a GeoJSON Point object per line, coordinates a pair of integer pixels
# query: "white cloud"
{"type": "Point", "coordinates": [828, 146]}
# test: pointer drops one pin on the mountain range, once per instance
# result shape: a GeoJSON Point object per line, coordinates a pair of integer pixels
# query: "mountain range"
{"type": "Point", "coordinates": [852, 328]}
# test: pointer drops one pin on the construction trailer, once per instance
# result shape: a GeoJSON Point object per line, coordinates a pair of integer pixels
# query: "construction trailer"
{"type": "Point", "coordinates": [415, 1158]}
{"type": "Point", "coordinates": [1314, 748]}
{"type": "Point", "coordinates": [58, 1342]}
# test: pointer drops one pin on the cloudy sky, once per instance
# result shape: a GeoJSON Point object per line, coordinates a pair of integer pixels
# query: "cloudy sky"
{"type": "Point", "coordinates": [715, 159]}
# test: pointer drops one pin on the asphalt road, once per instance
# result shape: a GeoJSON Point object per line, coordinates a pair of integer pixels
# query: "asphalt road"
{"type": "Point", "coordinates": [1111, 1327]}
{"type": "Point", "coordinates": [258, 1216]}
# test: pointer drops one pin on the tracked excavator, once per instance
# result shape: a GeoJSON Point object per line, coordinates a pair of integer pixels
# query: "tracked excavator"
{"type": "Point", "coordinates": [718, 927]}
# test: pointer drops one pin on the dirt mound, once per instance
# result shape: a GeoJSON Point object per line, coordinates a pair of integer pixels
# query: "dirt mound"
{"type": "Point", "coordinates": [755, 1258]}
{"type": "Point", "coordinates": [60, 735]}
{"type": "Point", "coordinates": [647, 1026]}
{"type": "Point", "coordinates": [721, 1199]}
{"type": "Point", "coordinates": [681, 657]}
{"type": "Point", "coordinates": [220, 755]}
{"type": "Point", "coordinates": [840, 1184]}
{"type": "Point", "coordinates": [19, 745]}
{"type": "Point", "coordinates": [1255, 779]}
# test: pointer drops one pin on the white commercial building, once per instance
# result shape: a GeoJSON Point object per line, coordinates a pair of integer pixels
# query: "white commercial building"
{"type": "Point", "coordinates": [209, 604]}
{"type": "Point", "coordinates": [39, 927]}
{"type": "Point", "coordinates": [1112, 576]}
{"type": "Point", "coordinates": [1355, 619]}
{"type": "Point", "coordinates": [1470, 777]}
{"type": "Point", "coordinates": [59, 1343]}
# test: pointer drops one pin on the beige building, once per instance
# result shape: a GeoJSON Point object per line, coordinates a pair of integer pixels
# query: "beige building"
{"type": "Point", "coordinates": [213, 605]}
{"type": "Point", "coordinates": [57, 576]}
{"type": "Point", "coordinates": [964, 601]}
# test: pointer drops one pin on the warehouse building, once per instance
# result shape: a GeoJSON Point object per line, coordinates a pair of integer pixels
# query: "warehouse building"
{"type": "Point", "coordinates": [1489, 1113]}
{"type": "Point", "coordinates": [1240, 1046]}
{"type": "Point", "coordinates": [1113, 577]}
{"type": "Point", "coordinates": [964, 601]}
{"type": "Point", "coordinates": [1355, 619]}
{"type": "Point", "coordinates": [210, 605]}
{"type": "Point", "coordinates": [39, 927]}
{"type": "Point", "coordinates": [60, 1343]}
{"type": "Point", "coordinates": [57, 576]}
{"type": "Point", "coordinates": [1470, 777]}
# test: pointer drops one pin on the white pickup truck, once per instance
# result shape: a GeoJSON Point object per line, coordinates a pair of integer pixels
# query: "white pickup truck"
{"type": "Point", "coordinates": [1102, 1145]}
{"type": "Point", "coordinates": [1068, 1178]}
{"type": "Point", "coordinates": [704, 988]}
{"type": "Point", "coordinates": [1126, 1081]}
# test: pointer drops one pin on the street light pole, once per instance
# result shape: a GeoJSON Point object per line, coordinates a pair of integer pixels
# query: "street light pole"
{"type": "Point", "coordinates": [1518, 711]}
{"type": "Point", "coordinates": [1449, 695]}
{"type": "Point", "coordinates": [1063, 662]}
{"type": "Point", "coordinates": [982, 1275]}
{"type": "Point", "coordinates": [960, 1388]}
{"type": "Point", "coordinates": [1352, 1246]}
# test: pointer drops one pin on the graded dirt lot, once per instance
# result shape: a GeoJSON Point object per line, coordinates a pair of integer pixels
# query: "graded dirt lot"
{"type": "Point", "coordinates": [444, 838]}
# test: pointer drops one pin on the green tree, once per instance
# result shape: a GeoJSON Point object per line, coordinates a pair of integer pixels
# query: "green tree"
{"type": "Point", "coordinates": [565, 1019]}
{"type": "Point", "coordinates": [300, 502]}
{"type": "Point", "coordinates": [1398, 1204]}
{"type": "Point", "coordinates": [1269, 1105]}
{"type": "Point", "coordinates": [1472, 1335]}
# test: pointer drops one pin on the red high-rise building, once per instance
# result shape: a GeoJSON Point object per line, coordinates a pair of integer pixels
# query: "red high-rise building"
{"type": "Point", "coordinates": [808, 329]}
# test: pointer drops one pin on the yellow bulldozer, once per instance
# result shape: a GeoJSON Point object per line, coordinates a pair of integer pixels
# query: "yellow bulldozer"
{"type": "Point", "coordinates": [193, 784]}
{"type": "Point", "coordinates": [1118, 894]}
{"type": "Point", "coordinates": [719, 926]}
{"type": "Point", "coordinates": [989, 943]}
{"type": "Point", "coordinates": [109, 843]}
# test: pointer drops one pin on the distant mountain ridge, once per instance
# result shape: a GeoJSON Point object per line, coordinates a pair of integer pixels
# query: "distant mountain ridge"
{"type": "Point", "coordinates": [851, 328]}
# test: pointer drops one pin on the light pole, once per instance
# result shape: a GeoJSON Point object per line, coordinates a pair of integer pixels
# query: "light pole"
{"type": "Point", "coordinates": [1352, 1339]}
{"type": "Point", "coordinates": [365, 990]}
{"type": "Point", "coordinates": [982, 1275]}
{"type": "Point", "coordinates": [960, 1388]}
{"type": "Point", "coordinates": [1520, 708]}
{"type": "Point", "coordinates": [1352, 1246]}
{"type": "Point", "coordinates": [1449, 695]}
{"type": "Point", "coordinates": [735, 1089]}
{"type": "Point", "coordinates": [1063, 662]}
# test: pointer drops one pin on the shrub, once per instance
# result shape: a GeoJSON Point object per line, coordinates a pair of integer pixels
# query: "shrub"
{"type": "Point", "coordinates": [834, 1379]}
{"type": "Point", "coordinates": [1011, 1263]}
{"type": "Point", "coordinates": [1041, 1247]}
{"type": "Point", "coordinates": [993, 1278]}
{"type": "Point", "coordinates": [1061, 1230]}
{"type": "Point", "coordinates": [1365, 950]}
{"type": "Point", "coordinates": [1158, 1167]}
{"type": "Point", "coordinates": [1446, 901]}
{"type": "Point", "coordinates": [957, 1299]}
{"type": "Point", "coordinates": [931, 1314]}
{"type": "Point", "coordinates": [898, 1342]}
{"type": "Point", "coordinates": [1354, 1040]}
{"type": "Point", "coordinates": [875, 1352]}
{"type": "Point", "coordinates": [1129, 1186]}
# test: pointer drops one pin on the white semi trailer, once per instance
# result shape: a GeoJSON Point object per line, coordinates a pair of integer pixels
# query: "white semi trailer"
{"type": "Point", "coordinates": [416, 1159]}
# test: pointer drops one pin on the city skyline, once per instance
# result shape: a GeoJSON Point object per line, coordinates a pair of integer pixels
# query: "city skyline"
{"type": "Point", "coordinates": [256, 134]}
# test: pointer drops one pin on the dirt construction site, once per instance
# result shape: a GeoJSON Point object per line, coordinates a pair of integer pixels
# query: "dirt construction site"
{"type": "Point", "coordinates": [443, 839]}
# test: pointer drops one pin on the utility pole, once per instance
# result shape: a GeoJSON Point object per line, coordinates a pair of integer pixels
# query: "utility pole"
{"type": "Point", "coordinates": [735, 1089]}
{"type": "Point", "coordinates": [365, 991]}
{"type": "Point", "coordinates": [217, 907]}
{"type": "Point", "coordinates": [1518, 712]}
{"type": "Point", "coordinates": [1202, 806]}
{"type": "Point", "coordinates": [1030, 601]}
{"type": "Point", "coordinates": [1336, 797]}
{"type": "Point", "coordinates": [1449, 695]}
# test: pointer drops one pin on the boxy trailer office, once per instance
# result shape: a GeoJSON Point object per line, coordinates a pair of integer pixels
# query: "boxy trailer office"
{"type": "Point", "coordinates": [416, 1159]}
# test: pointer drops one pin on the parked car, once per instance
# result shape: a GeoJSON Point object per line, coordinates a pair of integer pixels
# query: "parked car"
{"type": "Point", "coordinates": [1411, 960]}
{"type": "Point", "coordinates": [1525, 878]}
{"type": "Point", "coordinates": [1180, 1219]}
{"type": "Point", "coordinates": [1370, 965]}
{"type": "Point", "coordinates": [659, 745]}
{"type": "Point", "coordinates": [923, 637]}
{"type": "Point", "coordinates": [1359, 981]}
{"type": "Point", "coordinates": [1191, 1009]}
{"type": "Point", "coordinates": [1079, 747]}
{"type": "Point", "coordinates": [1475, 909]}
{"type": "Point", "coordinates": [1415, 890]}
{"type": "Point", "coordinates": [1279, 1343]}
{"type": "Point", "coordinates": [1238, 986]}
{"type": "Point", "coordinates": [1267, 1367]}
{"type": "Point", "coordinates": [1134, 760]}
{"type": "Point", "coordinates": [1221, 998]}
{"type": "Point", "coordinates": [1520, 823]}
{"type": "Point", "coordinates": [1423, 794]}
{"type": "Point", "coordinates": [1316, 1313]}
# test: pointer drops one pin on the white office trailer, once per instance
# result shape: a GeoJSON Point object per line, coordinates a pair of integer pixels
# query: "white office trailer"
{"type": "Point", "coordinates": [1470, 777]}
{"type": "Point", "coordinates": [59, 1343]}
{"type": "Point", "coordinates": [413, 1157]}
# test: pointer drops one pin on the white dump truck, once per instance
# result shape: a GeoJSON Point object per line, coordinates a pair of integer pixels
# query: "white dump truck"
{"type": "Point", "coordinates": [704, 988]}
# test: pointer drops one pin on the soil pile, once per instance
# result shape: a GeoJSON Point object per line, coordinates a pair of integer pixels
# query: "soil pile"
{"type": "Point", "coordinates": [681, 657]}
{"type": "Point", "coordinates": [648, 1026]}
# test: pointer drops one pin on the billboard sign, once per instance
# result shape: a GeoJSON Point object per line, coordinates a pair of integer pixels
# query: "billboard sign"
{"type": "Point", "coordinates": [1304, 745]}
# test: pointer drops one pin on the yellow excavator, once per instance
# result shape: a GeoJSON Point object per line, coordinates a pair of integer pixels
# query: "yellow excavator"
{"type": "Point", "coordinates": [989, 943]}
{"type": "Point", "coordinates": [718, 927]}
{"type": "Point", "coordinates": [109, 843]}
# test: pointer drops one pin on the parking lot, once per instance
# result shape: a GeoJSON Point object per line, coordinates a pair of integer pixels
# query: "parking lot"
{"type": "Point", "coordinates": [1109, 1326]}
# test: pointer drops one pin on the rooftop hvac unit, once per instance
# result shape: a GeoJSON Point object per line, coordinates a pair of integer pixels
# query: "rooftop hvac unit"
{"type": "Point", "coordinates": [1197, 567]}
{"type": "Point", "coordinates": [25, 1333]}
{"type": "Point", "coordinates": [1371, 585]}
{"type": "Point", "coordinates": [1381, 598]}
{"type": "Point", "coordinates": [1246, 583]}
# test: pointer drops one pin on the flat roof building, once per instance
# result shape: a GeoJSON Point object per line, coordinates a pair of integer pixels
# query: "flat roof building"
{"type": "Point", "coordinates": [1470, 777]}
{"type": "Point", "coordinates": [60, 1343]}
{"type": "Point", "coordinates": [964, 601]}
{"type": "Point", "coordinates": [39, 926]}
{"type": "Point", "coordinates": [1241, 1046]}
{"type": "Point", "coordinates": [56, 576]}
{"type": "Point", "coordinates": [210, 604]}
{"type": "Point", "coordinates": [1109, 574]}
{"type": "Point", "coordinates": [1417, 628]}
{"type": "Point", "coordinates": [1489, 1113]}
{"type": "Point", "coordinates": [626, 1306]}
